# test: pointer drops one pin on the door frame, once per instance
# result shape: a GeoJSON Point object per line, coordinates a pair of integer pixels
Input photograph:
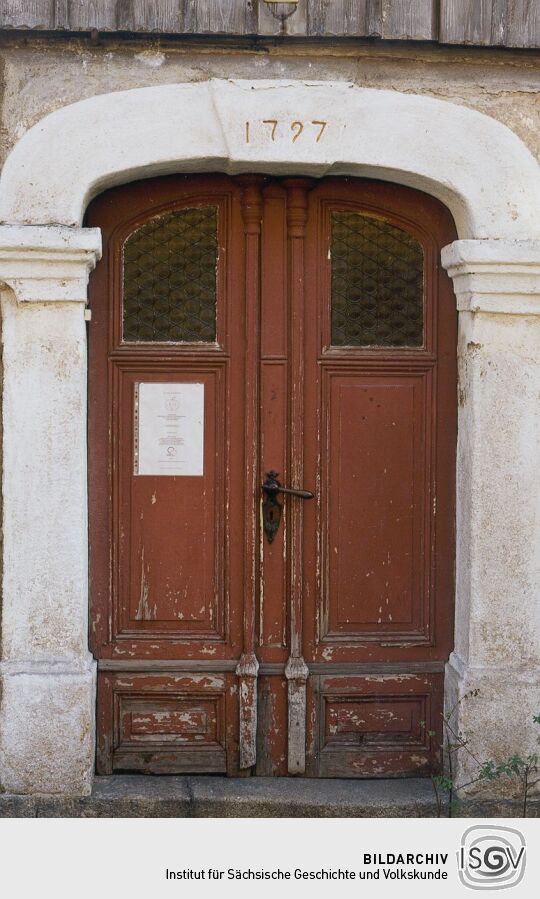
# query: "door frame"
{"type": "Point", "coordinates": [81, 149]}
{"type": "Point", "coordinates": [273, 271]}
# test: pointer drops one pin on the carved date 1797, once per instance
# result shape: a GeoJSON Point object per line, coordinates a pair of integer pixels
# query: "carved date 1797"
{"type": "Point", "coordinates": [274, 129]}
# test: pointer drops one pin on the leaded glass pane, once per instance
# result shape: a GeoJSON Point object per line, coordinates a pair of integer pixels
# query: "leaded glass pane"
{"type": "Point", "coordinates": [170, 266]}
{"type": "Point", "coordinates": [377, 283]}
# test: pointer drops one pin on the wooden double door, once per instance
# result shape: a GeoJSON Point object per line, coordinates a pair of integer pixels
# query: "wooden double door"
{"type": "Point", "coordinates": [250, 334]}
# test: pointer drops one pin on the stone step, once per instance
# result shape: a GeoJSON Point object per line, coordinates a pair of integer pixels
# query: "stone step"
{"type": "Point", "coordinates": [139, 796]}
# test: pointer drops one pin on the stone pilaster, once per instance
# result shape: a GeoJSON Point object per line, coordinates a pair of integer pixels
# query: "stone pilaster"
{"type": "Point", "coordinates": [497, 632]}
{"type": "Point", "coordinates": [48, 675]}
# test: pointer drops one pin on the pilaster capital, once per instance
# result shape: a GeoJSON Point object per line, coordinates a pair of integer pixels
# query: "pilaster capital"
{"type": "Point", "coordinates": [495, 276]}
{"type": "Point", "coordinates": [48, 263]}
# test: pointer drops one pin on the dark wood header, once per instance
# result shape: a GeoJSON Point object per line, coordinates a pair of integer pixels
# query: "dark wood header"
{"type": "Point", "coordinates": [506, 23]}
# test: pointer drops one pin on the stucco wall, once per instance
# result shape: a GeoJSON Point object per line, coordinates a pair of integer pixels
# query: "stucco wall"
{"type": "Point", "coordinates": [39, 77]}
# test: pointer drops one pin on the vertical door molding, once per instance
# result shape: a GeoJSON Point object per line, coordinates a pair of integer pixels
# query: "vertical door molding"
{"type": "Point", "coordinates": [248, 665]}
{"type": "Point", "coordinates": [296, 670]}
{"type": "Point", "coordinates": [47, 672]}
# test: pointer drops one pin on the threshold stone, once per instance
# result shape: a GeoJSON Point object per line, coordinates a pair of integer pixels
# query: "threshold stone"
{"type": "Point", "coordinates": [140, 796]}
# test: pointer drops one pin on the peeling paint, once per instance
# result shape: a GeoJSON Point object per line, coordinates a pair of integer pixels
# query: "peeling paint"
{"type": "Point", "coordinates": [144, 612]}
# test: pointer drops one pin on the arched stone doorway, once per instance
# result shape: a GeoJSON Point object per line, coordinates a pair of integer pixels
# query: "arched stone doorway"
{"type": "Point", "coordinates": [490, 183]}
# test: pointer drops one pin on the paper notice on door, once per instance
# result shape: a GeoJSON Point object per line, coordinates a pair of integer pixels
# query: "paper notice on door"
{"type": "Point", "coordinates": [169, 429]}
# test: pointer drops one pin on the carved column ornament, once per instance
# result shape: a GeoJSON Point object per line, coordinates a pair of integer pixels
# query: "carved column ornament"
{"type": "Point", "coordinates": [48, 263]}
{"type": "Point", "coordinates": [497, 276]}
{"type": "Point", "coordinates": [296, 670]}
{"type": "Point", "coordinates": [248, 666]}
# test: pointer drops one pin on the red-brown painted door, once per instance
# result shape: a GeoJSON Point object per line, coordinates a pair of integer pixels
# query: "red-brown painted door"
{"type": "Point", "coordinates": [166, 548]}
{"type": "Point", "coordinates": [241, 326]}
{"type": "Point", "coordinates": [379, 421]}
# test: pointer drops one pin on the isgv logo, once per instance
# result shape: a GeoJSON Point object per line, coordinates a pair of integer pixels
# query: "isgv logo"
{"type": "Point", "coordinates": [491, 858]}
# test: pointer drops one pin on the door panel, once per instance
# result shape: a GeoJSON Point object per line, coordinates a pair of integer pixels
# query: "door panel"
{"type": "Point", "coordinates": [165, 723]}
{"type": "Point", "coordinates": [272, 727]}
{"type": "Point", "coordinates": [321, 330]}
{"type": "Point", "coordinates": [273, 581]}
{"type": "Point", "coordinates": [171, 570]}
{"type": "Point", "coordinates": [375, 474]}
{"type": "Point", "coordinates": [272, 612]}
{"type": "Point", "coordinates": [375, 726]}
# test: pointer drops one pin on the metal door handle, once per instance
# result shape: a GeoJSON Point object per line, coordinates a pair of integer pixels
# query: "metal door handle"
{"type": "Point", "coordinates": [305, 494]}
{"type": "Point", "coordinates": [271, 508]}
{"type": "Point", "coordinates": [273, 486]}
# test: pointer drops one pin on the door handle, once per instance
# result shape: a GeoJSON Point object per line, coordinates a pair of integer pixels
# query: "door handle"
{"type": "Point", "coordinates": [271, 508]}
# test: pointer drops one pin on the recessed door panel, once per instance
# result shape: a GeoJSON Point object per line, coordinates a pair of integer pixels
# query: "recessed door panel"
{"type": "Point", "coordinates": [165, 723]}
{"type": "Point", "coordinates": [376, 726]}
{"type": "Point", "coordinates": [373, 491]}
{"type": "Point", "coordinates": [173, 562]}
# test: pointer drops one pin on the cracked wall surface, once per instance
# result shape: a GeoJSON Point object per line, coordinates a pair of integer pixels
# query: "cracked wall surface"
{"type": "Point", "coordinates": [39, 77]}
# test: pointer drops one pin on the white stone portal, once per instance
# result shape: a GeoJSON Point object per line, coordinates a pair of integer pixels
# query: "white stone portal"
{"type": "Point", "coordinates": [497, 632]}
{"type": "Point", "coordinates": [48, 674]}
{"type": "Point", "coordinates": [490, 182]}
{"type": "Point", "coordinates": [475, 165]}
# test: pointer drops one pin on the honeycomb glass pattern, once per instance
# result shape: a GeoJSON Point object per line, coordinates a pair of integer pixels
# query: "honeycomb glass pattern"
{"type": "Point", "coordinates": [170, 266]}
{"type": "Point", "coordinates": [377, 283]}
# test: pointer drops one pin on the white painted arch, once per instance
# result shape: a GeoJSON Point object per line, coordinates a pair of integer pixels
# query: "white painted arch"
{"type": "Point", "coordinates": [475, 165]}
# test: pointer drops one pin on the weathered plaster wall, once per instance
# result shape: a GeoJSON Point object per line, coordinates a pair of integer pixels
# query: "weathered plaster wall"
{"type": "Point", "coordinates": [39, 77]}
